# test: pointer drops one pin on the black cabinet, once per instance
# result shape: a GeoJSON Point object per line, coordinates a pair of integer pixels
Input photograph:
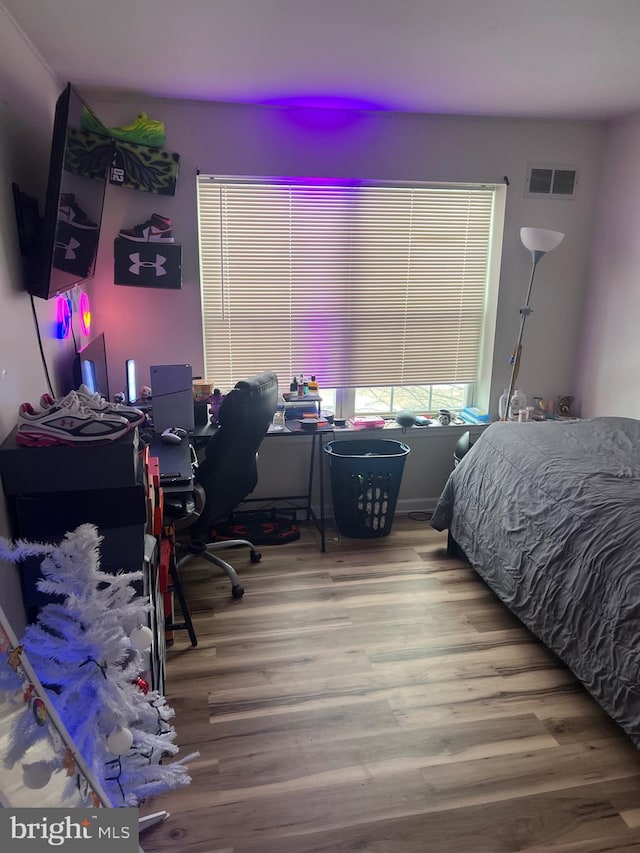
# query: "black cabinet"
{"type": "Point", "coordinates": [52, 490]}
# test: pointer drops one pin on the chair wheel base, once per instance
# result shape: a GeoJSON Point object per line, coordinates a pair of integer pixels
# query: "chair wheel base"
{"type": "Point", "coordinates": [237, 591]}
{"type": "Point", "coordinates": [255, 556]}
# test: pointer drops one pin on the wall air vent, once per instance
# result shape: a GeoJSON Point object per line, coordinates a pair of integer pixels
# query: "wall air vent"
{"type": "Point", "coordinates": [551, 181]}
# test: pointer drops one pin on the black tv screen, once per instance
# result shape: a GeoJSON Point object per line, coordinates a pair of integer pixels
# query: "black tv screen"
{"type": "Point", "coordinates": [64, 252]}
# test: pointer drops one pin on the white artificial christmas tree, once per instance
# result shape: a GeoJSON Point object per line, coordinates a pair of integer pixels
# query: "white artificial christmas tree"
{"type": "Point", "coordinates": [87, 652]}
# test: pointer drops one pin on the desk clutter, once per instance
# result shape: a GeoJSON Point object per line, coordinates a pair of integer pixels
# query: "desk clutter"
{"type": "Point", "coordinates": [302, 387]}
{"type": "Point", "coordinates": [300, 406]}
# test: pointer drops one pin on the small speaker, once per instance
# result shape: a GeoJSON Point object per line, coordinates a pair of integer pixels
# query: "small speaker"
{"type": "Point", "coordinates": [201, 412]}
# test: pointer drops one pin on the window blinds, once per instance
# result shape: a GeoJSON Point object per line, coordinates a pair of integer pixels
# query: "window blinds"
{"type": "Point", "coordinates": [361, 285]}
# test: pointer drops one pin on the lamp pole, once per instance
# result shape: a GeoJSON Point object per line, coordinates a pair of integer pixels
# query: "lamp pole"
{"type": "Point", "coordinates": [539, 241]}
{"type": "Point", "coordinates": [524, 313]}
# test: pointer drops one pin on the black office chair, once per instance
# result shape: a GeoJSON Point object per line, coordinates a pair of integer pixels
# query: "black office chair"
{"type": "Point", "coordinates": [225, 476]}
{"type": "Point", "coordinates": [463, 446]}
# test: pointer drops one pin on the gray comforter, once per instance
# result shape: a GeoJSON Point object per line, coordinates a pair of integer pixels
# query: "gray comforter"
{"type": "Point", "coordinates": [549, 515]}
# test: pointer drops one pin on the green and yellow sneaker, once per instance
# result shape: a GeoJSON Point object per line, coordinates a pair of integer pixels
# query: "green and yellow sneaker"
{"type": "Point", "coordinates": [141, 131]}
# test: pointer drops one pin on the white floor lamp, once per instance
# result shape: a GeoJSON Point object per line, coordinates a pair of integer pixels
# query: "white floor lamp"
{"type": "Point", "coordinates": [539, 241]}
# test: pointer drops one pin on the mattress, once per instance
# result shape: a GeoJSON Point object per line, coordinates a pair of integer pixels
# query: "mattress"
{"type": "Point", "coordinates": [548, 514]}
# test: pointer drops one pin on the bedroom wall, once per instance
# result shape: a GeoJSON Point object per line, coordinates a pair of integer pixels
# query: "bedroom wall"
{"type": "Point", "coordinates": [154, 326]}
{"type": "Point", "coordinates": [608, 362]}
{"type": "Point", "coordinates": [28, 93]}
{"type": "Point", "coordinates": [259, 140]}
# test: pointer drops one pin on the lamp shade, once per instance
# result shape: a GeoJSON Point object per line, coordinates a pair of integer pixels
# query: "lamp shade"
{"type": "Point", "coordinates": [541, 239]}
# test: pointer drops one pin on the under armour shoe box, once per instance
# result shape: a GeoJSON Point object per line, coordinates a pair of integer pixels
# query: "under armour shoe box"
{"type": "Point", "coordinates": [34, 470]}
{"type": "Point", "coordinates": [147, 264]}
{"type": "Point", "coordinates": [139, 167]}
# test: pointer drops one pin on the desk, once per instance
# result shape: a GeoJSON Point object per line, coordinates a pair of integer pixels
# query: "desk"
{"type": "Point", "coordinates": [176, 464]}
{"type": "Point", "coordinates": [317, 441]}
{"type": "Point", "coordinates": [201, 435]}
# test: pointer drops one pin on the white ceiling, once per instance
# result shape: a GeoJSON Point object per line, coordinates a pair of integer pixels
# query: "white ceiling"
{"type": "Point", "coordinates": [534, 58]}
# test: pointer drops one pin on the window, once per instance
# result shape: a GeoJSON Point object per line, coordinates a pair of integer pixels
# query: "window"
{"type": "Point", "coordinates": [365, 286]}
{"type": "Point", "coordinates": [389, 400]}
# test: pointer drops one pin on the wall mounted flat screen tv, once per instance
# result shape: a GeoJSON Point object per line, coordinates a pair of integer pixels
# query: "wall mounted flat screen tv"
{"type": "Point", "coordinates": [60, 249]}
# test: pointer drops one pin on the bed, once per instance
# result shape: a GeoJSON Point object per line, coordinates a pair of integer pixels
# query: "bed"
{"type": "Point", "coordinates": [548, 514]}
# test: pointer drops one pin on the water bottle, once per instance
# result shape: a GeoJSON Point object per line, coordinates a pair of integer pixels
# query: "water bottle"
{"type": "Point", "coordinates": [278, 416]}
{"type": "Point", "coordinates": [518, 402]}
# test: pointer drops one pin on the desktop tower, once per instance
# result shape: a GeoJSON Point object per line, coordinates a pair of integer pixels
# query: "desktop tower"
{"type": "Point", "coordinates": [172, 396]}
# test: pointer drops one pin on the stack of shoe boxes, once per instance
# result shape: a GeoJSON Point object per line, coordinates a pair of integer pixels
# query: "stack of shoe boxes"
{"type": "Point", "coordinates": [52, 490]}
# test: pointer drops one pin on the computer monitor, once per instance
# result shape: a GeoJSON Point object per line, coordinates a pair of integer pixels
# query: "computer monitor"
{"type": "Point", "coordinates": [92, 367]}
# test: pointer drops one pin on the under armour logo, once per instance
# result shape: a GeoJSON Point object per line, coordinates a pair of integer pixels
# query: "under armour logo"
{"type": "Point", "coordinates": [67, 422]}
{"type": "Point", "coordinates": [69, 249]}
{"type": "Point", "coordinates": [158, 265]}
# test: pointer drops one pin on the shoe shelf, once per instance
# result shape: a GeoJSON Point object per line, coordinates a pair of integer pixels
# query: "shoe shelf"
{"type": "Point", "coordinates": [138, 167]}
{"type": "Point", "coordinates": [138, 160]}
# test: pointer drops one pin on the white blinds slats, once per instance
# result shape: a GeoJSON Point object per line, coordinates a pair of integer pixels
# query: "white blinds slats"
{"type": "Point", "coordinates": [361, 285]}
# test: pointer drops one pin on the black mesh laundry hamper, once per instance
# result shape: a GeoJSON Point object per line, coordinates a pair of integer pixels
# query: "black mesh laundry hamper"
{"type": "Point", "coordinates": [365, 482]}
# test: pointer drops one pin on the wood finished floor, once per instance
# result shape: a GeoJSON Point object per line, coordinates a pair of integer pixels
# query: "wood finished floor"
{"type": "Point", "coordinates": [379, 697]}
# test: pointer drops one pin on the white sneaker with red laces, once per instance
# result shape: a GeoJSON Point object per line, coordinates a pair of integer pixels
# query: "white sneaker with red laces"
{"type": "Point", "coordinates": [97, 403]}
{"type": "Point", "coordinates": [68, 422]}
{"type": "Point", "coordinates": [155, 230]}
